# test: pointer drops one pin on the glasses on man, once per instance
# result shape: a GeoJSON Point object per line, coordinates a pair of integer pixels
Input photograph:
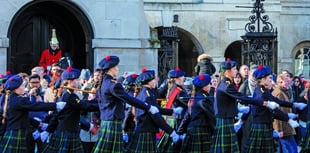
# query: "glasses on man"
{"type": "Point", "coordinates": [34, 82]}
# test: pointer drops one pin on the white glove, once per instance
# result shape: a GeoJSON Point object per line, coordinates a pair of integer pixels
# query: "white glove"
{"type": "Point", "coordinates": [292, 115]}
{"type": "Point", "coordinates": [44, 126]}
{"type": "Point", "coordinates": [293, 123]}
{"type": "Point", "coordinates": [244, 109]}
{"type": "Point", "coordinates": [36, 135]}
{"type": "Point", "coordinates": [91, 127]}
{"type": "Point", "coordinates": [125, 137]}
{"type": "Point", "coordinates": [272, 105]}
{"type": "Point", "coordinates": [60, 105]}
{"type": "Point", "coordinates": [175, 137]}
{"type": "Point", "coordinates": [153, 110]}
{"type": "Point", "coordinates": [238, 125]}
{"type": "Point", "coordinates": [37, 119]}
{"type": "Point", "coordinates": [178, 110]}
{"type": "Point", "coordinates": [44, 136]}
{"type": "Point", "coordinates": [300, 106]}
{"type": "Point", "coordinates": [182, 137]}
{"type": "Point", "coordinates": [275, 134]}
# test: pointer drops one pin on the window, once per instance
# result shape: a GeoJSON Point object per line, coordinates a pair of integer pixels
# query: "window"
{"type": "Point", "coordinates": [302, 60]}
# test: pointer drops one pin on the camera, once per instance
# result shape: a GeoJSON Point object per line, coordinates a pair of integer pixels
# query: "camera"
{"type": "Point", "coordinates": [38, 92]}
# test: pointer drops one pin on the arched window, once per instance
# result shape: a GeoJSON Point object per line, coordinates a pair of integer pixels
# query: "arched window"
{"type": "Point", "coordinates": [302, 60]}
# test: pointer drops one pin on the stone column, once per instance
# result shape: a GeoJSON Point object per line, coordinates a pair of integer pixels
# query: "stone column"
{"type": "Point", "coordinates": [124, 32]}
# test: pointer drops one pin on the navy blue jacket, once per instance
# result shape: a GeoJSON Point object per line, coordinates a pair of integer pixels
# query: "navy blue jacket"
{"type": "Point", "coordinates": [262, 114]}
{"type": "Point", "coordinates": [18, 111]}
{"type": "Point", "coordinates": [69, 117]}
{"type": "Point", "coordinates": [202, 111]}
{"type": "Point", "coordinates": [226, 96]}
{"type": "Point", "coordinates": [113, 96]}
{"type": "Point", "coordinates": [147, 122]}
{"type": "Point", "coordinates": [177, 102]}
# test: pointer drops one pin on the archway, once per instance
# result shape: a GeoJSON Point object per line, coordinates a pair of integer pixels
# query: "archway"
{"type": "Point", "coordinates": [30, 33]}
{"type": "Point", "coordinates": [177, 50]}
{"type": "Point", "coordinates": [233, 52]}
{"type": "Point", "coordinates": [189, 50]}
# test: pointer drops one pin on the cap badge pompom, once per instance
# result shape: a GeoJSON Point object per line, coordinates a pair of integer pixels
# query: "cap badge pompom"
{"type": "Point", "coordinates": [143, 70]}
{"type": "Point", "coordinates": [177, 69]}
{"type": "Point", "coordinates": [260, 67]}
{"type": "Point", "coordinates": [201, 77]}
{"type": "Point", "coordinates": [107, 57]}
{"type": "Point", "coordinates": [134, 76]}
{"type": "Point", "coordinates": [228, 59]}
{"type": "Point", "coordinates": [1, 75]}
{"type": "Point", "coordinates": [11, 79]}
{"type": "Point", "coordinates": [8, 73]}
{"type": "Point", "coordinates": [69, 69]}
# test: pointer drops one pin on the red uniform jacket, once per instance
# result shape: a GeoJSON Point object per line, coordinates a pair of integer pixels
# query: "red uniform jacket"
{"type": "Point", "coordinates": [47, 59]}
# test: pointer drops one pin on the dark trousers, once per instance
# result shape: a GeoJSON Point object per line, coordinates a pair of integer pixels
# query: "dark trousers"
{"type": "Point", "coordinates": [88, 146]}
{"type": "Point", "coordinates": [31, 143]}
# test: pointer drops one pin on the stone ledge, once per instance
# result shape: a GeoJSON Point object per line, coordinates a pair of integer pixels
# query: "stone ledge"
{"type": "Point", "coordinates": [173, 1]}
{"type": "Point", "coordinates": [120, 43]}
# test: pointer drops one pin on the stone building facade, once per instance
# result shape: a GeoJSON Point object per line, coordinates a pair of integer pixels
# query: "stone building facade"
{"type": "Point", "coordinates": [89, 30]}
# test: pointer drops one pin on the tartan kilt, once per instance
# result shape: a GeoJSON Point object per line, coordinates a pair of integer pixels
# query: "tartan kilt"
{"type": "Point", "coordinates": [260, 139]}
{"type": "Point", "coordinates": [143, 142]}
{"type": "Point", "coordinates": [110, 137]}
{"type": "Point", "coordinates": [305, 148]}
{"type": "Point", "coordinates": [165, 143]}
{"type": "Point", "coordinates": [14, 141]}
{"type": "Point", "coordinates": [198, 139]}
{"type": "Point", "coordinates": [224, 138]}
{"type": "Point", "coordinates": [65, 142]}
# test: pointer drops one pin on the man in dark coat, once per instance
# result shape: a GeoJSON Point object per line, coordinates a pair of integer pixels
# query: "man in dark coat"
{"type": "Point", "coordinates": [204, 65]}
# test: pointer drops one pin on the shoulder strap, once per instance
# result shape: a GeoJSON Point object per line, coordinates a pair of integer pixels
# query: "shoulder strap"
{"type": "Point", "coordinates": [172, 97]}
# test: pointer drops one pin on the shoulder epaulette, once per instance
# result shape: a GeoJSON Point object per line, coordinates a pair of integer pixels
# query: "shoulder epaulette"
{"type": "Point", "coordinates": [114, 81]}
{"type": "Point", "coordinates": [262, 90]}
{"type": "Point", "coordinates": [204, 95]}
{"type": "Point", "coordinates": [147, 93]}
{"type": "Point", "coordinates": [77, 100]}
{"type": "Point", "coordinates": [228, 82]}
{"type": "Point", "coordinates": [69, 91]}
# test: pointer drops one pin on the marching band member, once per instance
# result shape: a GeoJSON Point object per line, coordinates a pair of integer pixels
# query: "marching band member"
{"type": "Point", "coordinates": [261, 135]}
{"type": "Point", "coordinates": [66, 138]}
{"type": "Point", "coordinates": [15, 113]}
{"type": "Point", "coordinates": [201, 126]}
{"type": "Point", "coordinates": [175, 91]}
{"type": "Point", "coordinates": [148, 124]}
{"type": "Point", "coordinates": [224, 138]}
{"type": "Point", "coordinates": [112, 98]}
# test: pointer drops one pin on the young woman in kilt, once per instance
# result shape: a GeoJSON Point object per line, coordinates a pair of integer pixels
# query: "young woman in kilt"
{"type": "Point", "coordinates": [129, 123]}
{"type": "Point", "coordinates": [261, 135]}
{"type": "Point", "coordinates": [224, 137]}
{"type": "Point", "coordinates": [201, 126]}
{"type": "Point", "coordinates": [175, 91]}
{"type": "Point", "coordinates": [148, 124]}
{"type": "Point", "coordinates": [112, 98]}
{"type": "Point", "coordinates": [66, 138]}
{"type": "Point", "coordinates": [16, 115]}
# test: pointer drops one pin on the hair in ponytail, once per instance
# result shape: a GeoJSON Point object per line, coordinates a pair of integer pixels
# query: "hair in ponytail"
{"type": "Point", "coordinates": [219, 79]}
{"type": "Point", "coordinates": [5, 106]}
